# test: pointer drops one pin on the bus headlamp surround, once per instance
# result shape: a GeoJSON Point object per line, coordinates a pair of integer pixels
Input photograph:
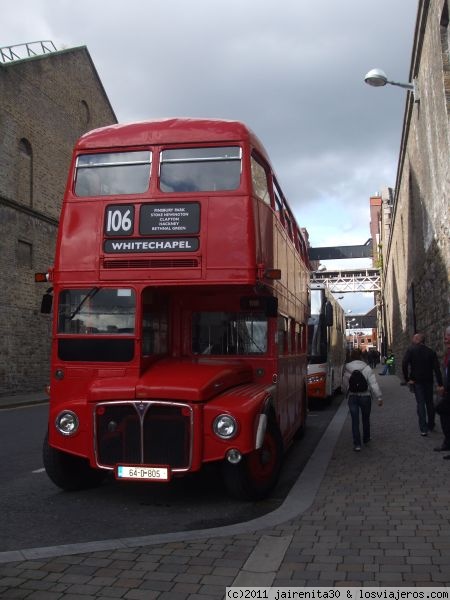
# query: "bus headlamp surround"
{"type": "Point", "coordinates": [225, 426]}
{"type": "Point", "coordinates": [67, 423]}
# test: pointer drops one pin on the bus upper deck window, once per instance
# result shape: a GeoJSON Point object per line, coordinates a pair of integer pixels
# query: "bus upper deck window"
{"type": "Point", "coordinates": [112, 174]}
{"type": "Point", "coordinates": [200, 169]}
{"type": "Point", "coordinates": [259, 180]}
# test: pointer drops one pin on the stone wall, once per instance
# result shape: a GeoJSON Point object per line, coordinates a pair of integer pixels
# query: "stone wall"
{"type": "Point", "coordinates": [417, 256]}
{"type": "Point", "coordinates": [46, 103]}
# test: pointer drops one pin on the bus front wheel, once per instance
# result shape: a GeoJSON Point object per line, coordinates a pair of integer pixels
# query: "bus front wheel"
{"type": "Point", "coordinates": [255, 476]}
{"type": "Point", "coordinates": [69, 472]}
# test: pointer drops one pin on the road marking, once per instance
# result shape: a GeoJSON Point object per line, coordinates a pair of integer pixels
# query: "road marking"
{"type": "Point", "coordinates": [38, 470]}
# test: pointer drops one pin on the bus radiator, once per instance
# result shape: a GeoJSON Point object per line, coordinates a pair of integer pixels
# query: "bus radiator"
{"type": "Point", "coordinates": [150, 433]}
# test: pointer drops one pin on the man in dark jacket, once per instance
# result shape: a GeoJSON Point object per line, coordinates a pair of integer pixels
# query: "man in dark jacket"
{"type": "Point", "coordinates": [418, 365]}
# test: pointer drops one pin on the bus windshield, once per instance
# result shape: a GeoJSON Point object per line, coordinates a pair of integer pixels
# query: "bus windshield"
{"type": "Point", "coordinates": [229, 333]}
{"type": "Point", "coordinates": [109, 311]}
{"type": "Point", "coordinates": [200, 169]}
{"type": "Point", "coordinates": [317, 332]}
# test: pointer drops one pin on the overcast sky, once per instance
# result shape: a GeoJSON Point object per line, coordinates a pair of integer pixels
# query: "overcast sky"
{"type": "Point", "coordinates": [293, 70]}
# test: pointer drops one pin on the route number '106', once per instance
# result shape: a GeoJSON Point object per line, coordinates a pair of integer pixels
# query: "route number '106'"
{"type": "Point", "coordinates": [119, 220]}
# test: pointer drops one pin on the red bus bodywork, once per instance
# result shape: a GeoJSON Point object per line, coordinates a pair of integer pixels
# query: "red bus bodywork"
{"type": "Point", "coordinates": [157, 398]}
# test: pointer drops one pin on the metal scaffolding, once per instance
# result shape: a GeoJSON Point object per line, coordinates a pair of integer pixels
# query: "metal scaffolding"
{"type": "Point", "coordinates": [28, 50]}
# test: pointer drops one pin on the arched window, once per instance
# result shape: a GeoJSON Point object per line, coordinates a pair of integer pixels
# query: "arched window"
{"type": "Point", "coordinates": [85, 112]}
{"type": "Point", "coordinates": [25, 173]}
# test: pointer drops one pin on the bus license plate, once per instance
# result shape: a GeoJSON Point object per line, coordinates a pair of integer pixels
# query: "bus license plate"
{"type": "Point", "coordinates": [142, 473]}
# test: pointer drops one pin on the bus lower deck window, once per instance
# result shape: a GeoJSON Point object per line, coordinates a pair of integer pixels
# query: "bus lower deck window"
{"type": "Point", "coordinates": [109, 311]}
{"type": "Point", "coordinates": [223, 333]}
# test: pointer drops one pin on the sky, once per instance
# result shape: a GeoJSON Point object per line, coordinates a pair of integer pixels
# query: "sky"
{"type": "Point", "coordinates": [292, 70]}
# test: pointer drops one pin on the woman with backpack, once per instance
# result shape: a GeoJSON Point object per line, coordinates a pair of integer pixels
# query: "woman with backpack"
{"type": "Point", "coordinates": [360, 385]}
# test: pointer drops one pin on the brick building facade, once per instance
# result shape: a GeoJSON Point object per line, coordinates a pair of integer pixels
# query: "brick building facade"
{"type": "Point", "coordinates": [415, 220]}
{"type": "Point", "coordinates": [46, 103]}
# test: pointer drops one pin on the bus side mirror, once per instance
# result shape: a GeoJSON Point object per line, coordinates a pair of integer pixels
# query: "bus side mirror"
{"type": "Point", "coordinates": [46, 303]}
{"type": "Point", "coordinates": [328, 314]}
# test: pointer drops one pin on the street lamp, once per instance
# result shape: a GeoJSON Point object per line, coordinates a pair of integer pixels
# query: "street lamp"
{"type": "Point", "coordinates": [378, 78]}
{"type": "Point", "coordinates": [349, 322]}
{"type": "Point", "coordinates": [349, 330]}
{"type": "Point", "coordinates": [355, 335]}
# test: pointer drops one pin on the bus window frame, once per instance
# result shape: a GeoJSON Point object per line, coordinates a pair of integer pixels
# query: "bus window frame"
{"type": "Point", "coordinates": [278, 201]}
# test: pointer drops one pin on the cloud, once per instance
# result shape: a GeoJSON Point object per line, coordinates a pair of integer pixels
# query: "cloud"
{"type": "Point", "coordinates": [292, 71]}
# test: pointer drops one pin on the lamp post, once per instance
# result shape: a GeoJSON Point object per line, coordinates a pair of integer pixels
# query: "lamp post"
{"type": "Point", "coordinates": [378, 78]}
{"type": "Point", "coordinates": [349, 330]}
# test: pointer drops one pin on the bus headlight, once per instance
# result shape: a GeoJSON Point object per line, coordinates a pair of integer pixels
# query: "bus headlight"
{"type": "Point", "coordinates": [67, 422]}
{"type": "Point", "coordinates": [225, 426]}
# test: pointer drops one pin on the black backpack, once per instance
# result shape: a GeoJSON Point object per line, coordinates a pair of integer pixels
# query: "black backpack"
{"type": "Point", "coordinates": [357, 382]}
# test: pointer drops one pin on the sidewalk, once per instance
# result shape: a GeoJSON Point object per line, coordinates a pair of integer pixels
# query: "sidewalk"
{"type": "Point", "coordinates": [380, 517]}
{"type": "Point", "coordinates": [23, 400]}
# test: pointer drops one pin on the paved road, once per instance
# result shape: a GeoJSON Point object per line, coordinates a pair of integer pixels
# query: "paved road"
{"type": "Point", "coordinates": [35, 512]}
{"type": "Point", "coordinates": [376, 518]}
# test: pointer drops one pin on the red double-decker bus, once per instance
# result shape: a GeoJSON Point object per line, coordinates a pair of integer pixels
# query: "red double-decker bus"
{"type": "Point", "coordinates": [180, 310]}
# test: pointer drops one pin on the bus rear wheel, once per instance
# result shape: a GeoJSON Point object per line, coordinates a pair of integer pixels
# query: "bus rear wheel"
{"type": "Point", "coordinates": [70, 472]}
{"type": "Point", "coordinates": [255, 476]}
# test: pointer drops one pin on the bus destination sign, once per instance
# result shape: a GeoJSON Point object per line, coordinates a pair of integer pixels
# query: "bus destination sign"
{"type": "Point", "coordinates": [151, 245]}
{"type": "Point", "coordinates": [160, 219]}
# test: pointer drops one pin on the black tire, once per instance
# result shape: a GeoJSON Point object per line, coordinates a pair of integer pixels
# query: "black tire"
{"type": "Point", "coordinates": [70, 472]}
{"type": "Point", "coordinates": [255, 476]}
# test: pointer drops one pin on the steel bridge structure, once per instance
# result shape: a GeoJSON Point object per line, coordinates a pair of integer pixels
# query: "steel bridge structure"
{"type": "Point", "coordinates": [349, 280]}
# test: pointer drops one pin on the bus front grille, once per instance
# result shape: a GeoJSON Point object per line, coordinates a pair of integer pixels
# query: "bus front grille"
{"type": "Point", "coordinates": [147, 433]}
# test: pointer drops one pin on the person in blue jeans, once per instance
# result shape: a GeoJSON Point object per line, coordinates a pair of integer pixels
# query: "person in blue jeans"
{"type": "Point", "coordinates": [419, 364]}
{"type": "Point", "coordinates": [389, 364]}
{"type": "Point", "coordinates": [360, 401]}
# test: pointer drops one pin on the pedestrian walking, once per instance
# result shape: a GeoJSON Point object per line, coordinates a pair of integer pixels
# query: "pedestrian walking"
{"type": "Point", "coordinates": [443, 407]}
{"type": "Point", "coordinates": [419, 364]}
{"type": "Point", "coordinates": [373, 358]}
{"type": "Point", "coordinates": [360, 385]}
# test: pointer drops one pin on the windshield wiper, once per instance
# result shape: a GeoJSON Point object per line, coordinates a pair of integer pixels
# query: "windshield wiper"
{"type": "Point", "coordinates": [91, 293]}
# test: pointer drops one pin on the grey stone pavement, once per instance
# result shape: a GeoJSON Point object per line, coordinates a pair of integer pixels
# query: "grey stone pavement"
{"type": "Point", "coordinates": [377, 518]}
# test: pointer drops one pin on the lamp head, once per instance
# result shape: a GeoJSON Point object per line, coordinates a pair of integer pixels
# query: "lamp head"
{"type": "Point", "coordinates": [376, 77]}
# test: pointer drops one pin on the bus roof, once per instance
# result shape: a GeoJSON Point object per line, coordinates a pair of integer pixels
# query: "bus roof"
{"type": "Point", "coordinates": [170, 131]}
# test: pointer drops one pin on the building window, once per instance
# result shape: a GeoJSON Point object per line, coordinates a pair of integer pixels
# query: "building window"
{"type": "Point", "coordinates": [85, 112]}
{"type": "Point", "coordinates": [24, 254]}
{"type": "Point", "coordinates": [25, 173]}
